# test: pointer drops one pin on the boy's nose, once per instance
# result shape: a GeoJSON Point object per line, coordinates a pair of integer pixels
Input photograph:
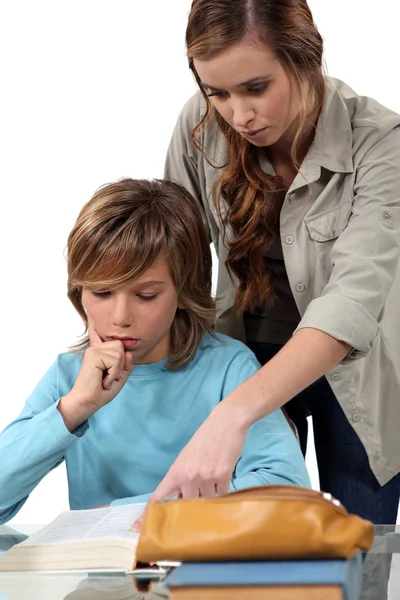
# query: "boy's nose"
{"type": "Point", "coordinates": [122, 315]}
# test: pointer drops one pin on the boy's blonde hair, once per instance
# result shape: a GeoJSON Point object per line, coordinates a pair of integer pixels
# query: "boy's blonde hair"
{"type": "Point", "coordinates": [119, 234]}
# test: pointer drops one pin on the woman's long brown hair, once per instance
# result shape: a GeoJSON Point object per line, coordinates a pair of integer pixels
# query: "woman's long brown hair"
{"type": "Point", "coordinates": [254, 199]}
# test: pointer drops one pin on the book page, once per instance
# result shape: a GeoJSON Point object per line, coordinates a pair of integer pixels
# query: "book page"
{"type": "Point", "coordinates": [89, 525]}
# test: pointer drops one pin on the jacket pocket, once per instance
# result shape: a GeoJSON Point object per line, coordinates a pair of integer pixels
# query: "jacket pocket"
{"type": "Point", "coordinates": [328, 225]}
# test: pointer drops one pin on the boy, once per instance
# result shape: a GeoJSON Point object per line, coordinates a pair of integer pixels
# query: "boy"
{"type": "Point", "coordinates": [121, 406]}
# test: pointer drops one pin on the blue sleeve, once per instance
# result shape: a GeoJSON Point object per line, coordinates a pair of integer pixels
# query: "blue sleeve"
{"type": "Point", "coordinates": [271, 453]}
{"type": "Point", "coordinates": [131, 500]}
{"type": "Point", "coordinates": [33, 444]}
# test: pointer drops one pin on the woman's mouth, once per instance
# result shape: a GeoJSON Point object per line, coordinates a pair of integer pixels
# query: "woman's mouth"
{"type": "Point", "coordinates": [253, 134]}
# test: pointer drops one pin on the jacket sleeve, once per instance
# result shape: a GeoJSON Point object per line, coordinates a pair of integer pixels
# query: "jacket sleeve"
{"type": "Point", "coordinates": [271, 453]}
{"type": "Point", "coordinates": [185, 165]}
{"type": "Point", "coordinates": [365, 257]}
{"type": "Point", "coordinates": [181, 164]}
{"type": "Point", "coordinates": [32, 445]}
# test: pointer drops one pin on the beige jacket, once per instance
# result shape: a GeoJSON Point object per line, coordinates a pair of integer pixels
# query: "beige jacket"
{"type": "Point", "coordinates": [341, 249]}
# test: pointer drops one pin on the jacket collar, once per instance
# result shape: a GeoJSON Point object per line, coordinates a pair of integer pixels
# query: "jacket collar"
{"type": "Point", "coordinates": [332, 147]}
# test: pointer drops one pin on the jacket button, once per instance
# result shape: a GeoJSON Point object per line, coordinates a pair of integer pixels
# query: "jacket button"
{"type": "Point", "coordinates": [386, 215]}
{"type": "Point", "coordinates": [356, 417]}
{"type": "Point", "coordinates": [300, 287]}
{"type": "Point", "coordinates": [289, 239]}
{"type": "Point", "coordinates": [336, 377]}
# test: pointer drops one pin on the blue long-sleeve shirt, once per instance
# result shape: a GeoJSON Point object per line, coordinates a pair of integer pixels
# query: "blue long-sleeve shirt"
{"type": "Point", "coordinates": [125, 449]}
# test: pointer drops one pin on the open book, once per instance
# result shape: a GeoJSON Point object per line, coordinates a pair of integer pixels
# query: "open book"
{"type": "Point", "coordinates": [90, 540]}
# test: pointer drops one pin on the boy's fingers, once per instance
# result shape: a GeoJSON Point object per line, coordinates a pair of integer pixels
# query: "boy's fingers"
{"type": "Point", "coordinates": [119, 372]}
{"type": "Point", "coordinates": [94, 338]}
{"type": "Point", "coordinates": [128, 362]}
{"type": "Point", "coordinates": [107, 382]}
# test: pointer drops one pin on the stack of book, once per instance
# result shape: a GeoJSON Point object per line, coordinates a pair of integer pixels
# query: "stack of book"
{"type": "Point", "coordinates": [267, 580]}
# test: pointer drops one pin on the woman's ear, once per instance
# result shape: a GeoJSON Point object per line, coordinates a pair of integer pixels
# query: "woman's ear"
{"type": "Point", "coordinates": [181, 304]}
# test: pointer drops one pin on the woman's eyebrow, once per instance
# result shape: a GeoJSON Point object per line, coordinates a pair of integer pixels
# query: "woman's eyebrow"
{"type": "Point", "coordinates": [258, 79]}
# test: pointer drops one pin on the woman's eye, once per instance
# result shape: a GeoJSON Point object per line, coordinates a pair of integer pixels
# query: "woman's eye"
{"type": "Point", "coordinates": [217, 94]}
{"type": "Point", "coordinates": [257, 90]}
{"type": "Point", "coordinates": [253, 90]}
{"type": "Point", "coordinates": [146, 298]}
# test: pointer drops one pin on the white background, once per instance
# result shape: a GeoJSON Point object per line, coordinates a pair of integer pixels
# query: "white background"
{"type": "Point", "coordinates": [90, 91]}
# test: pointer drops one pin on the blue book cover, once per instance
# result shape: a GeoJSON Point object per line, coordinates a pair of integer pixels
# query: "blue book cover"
{"type": "Point", "coordinates": [344, 573]}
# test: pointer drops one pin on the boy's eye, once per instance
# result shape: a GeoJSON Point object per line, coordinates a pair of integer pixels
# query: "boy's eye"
{"type": "Point", "coordinates": [99, 294]}
{"type": "Point", "coordinates": [147, 297]}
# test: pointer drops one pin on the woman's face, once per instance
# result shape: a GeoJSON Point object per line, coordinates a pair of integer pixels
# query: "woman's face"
{"type": "Point", "coordinates": [251, 91]}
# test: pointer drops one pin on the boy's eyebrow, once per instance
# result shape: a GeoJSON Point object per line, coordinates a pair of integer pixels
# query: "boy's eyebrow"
{"type": "Point", "coordinates": [149, 283]}
{"type": "Point", "coordinates": [243, 84]}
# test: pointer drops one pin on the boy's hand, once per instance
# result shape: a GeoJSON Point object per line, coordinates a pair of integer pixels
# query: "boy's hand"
{"type": "Point", "coordinates": [105, 368]}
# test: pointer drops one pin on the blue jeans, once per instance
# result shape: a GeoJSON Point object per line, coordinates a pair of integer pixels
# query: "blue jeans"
{"type": "Point", "coordinates": [343, 465]}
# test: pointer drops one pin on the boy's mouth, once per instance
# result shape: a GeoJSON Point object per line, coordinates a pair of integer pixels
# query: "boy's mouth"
{"type": "Point", "coordinates": [128, 342]}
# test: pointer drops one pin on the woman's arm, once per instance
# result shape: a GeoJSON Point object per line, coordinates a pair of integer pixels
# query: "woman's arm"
{"type": "Point", "coordinates": [307, 356]}
{"type": "Point", "coordinates": [241, 454]}
{"type": "Point", "coordinates": [216, 447]}
{"type": "Point", "coordinates": [271, 453]}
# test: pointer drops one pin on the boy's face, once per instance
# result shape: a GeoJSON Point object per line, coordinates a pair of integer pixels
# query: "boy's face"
{"type": "Point", "coordinates": [139, 312]}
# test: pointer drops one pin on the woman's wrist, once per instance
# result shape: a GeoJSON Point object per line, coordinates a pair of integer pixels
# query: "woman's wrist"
{"type": "Point", "coordinates": [237, 409]}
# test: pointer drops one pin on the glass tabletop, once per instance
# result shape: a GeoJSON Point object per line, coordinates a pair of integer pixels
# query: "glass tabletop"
{"type": "Point", "coordinates": [381, 575]}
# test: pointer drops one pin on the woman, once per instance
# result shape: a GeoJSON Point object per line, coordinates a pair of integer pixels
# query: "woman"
{"type": "Point", "coordinates": [299, 180]}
